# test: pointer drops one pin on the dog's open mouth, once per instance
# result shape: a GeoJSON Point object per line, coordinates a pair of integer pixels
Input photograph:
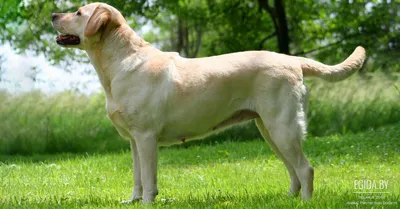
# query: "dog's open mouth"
{"type": "Point", "coordinates": [68, 40]}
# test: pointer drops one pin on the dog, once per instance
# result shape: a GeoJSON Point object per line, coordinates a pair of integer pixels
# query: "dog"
{"type": "Point", "coordinates": [160, 98]}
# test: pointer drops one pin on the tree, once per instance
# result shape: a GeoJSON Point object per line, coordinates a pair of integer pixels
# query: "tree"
{"type": "Point", "coordinates": [328, 30]}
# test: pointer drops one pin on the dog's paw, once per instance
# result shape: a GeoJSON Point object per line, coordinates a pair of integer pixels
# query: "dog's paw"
{"type": "Point", "coordinates": [131, 201]}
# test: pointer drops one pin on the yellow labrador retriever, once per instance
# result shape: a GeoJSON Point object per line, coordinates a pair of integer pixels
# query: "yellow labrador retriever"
{"type": "Point", "coordinates": [159, 98]}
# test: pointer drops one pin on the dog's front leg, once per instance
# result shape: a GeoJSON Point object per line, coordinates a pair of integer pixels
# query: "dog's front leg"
{"type": "Point", "coordinates": [147, 149]}
{"type": "Point", "coordinates": [137, 188]}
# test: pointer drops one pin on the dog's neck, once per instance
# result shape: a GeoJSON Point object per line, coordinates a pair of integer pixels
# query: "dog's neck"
{"type": "Point", "coordinates": [119, 45]}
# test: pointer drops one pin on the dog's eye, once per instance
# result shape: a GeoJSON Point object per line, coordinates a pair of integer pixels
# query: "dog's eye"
{"type": "Point", "coordinates": [78, 13]}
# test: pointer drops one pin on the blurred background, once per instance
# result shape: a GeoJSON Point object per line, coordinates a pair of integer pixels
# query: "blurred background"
{"type": "Point", "coordinates": [51, 100]}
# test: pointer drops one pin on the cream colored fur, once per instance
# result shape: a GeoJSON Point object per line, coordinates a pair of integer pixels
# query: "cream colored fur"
{"type": "Point", "coordinates": [159, 98]}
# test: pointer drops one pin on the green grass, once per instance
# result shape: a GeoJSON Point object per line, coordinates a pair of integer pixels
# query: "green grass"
{"type": "Point", "coordinates": [231, 174]}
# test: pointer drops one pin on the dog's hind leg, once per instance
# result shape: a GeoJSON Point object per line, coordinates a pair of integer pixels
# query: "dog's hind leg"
{"type": "Point", "coordinates": [285, 123]}
{"type": "Point", "coordinates": [288, 143]}
{"type": "Point", "coordinates": [295, 183]}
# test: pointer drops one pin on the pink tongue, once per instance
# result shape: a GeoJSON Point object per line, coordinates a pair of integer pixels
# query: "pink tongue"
{"type": "Point", "coordinates": [68, 39]}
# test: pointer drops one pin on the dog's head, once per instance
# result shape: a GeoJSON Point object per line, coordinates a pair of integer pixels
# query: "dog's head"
{"type": "Point", "coordinates": [90, 24]}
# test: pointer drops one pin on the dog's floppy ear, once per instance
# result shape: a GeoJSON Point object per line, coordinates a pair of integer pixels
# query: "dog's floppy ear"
{"type": "Point", "coordinates": [100, 17]}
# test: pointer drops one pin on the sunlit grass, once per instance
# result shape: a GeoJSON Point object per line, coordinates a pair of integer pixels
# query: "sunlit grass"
{"type": "Point", "coordinates": [222, 175]}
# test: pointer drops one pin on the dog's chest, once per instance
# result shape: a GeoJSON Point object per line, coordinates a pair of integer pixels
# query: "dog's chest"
{"type": "Point", "coordinates": [116, 116]}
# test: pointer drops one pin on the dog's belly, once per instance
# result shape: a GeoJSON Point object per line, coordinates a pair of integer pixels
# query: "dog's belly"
{"type": "Point", "coordinates": [177, 136]}
{"type": "Point", "coordinates": [237, 117]}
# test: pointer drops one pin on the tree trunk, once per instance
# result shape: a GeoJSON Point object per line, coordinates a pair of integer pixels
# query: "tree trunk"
{"type": "Point", "coordinates": [179, 45]}
{"type": "Point", "coordinates": [278, 16]}
{"type": "Point", "coordinates": [283, 34]}
{"type": "Point", "coordinates": [188, 39]}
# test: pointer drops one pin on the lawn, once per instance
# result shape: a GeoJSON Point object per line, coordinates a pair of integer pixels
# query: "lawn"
{"type": "Point", "coordinates": [231, 174]}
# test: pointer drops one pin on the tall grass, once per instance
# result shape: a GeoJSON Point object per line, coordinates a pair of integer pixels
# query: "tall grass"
{"type": "Point", "coordinates": [353, 105]}
{"type": "Point", "coordinates": [70, 122]}
{"type": "Point", "coordinates": [65, 122]}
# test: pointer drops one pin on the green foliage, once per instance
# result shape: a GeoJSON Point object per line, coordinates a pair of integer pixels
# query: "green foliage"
{"type": "Point", "coordinates": [71, 122]}
{"type": "Point", "coordinates": [224, 175]}
{"type": "Point", "coordinates": [342, 25]}
{"type": "Point", "coordinates": [327, 30]}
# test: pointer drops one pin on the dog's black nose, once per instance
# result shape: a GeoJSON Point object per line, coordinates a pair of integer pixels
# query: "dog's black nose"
{"type": "Point", "coordinates": [54, 16]}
